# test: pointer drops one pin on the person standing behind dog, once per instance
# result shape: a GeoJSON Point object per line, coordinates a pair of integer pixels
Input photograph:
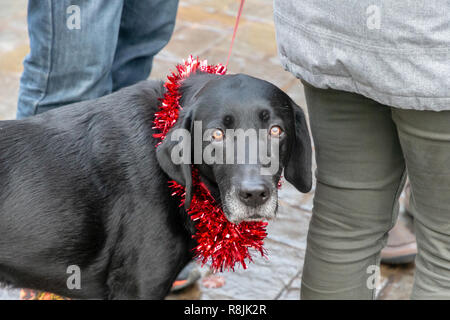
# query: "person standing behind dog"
{"type": "Point", "coordinates": [377, 86]}
{"type": "Point", "coordinates": [81, 50]}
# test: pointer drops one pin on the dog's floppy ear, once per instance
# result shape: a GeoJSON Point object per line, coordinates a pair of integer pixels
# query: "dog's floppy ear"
{"type": "Point", "coordinates": [181, 172]}
{"type": "Point", "coordinates": [298, 168]}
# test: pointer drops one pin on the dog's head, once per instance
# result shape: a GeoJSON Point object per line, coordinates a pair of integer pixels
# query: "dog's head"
{"type": "Point", "coordinates": [240, 133]}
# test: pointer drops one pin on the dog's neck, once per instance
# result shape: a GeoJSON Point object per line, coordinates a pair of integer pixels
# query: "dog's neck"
{"type": "Point", "coordinates": [192, 86]}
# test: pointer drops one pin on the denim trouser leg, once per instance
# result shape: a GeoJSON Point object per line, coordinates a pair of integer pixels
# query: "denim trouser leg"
{"type": "Point", "coordinates": [68, 64]}
{"type": "Point", "coordinates": [362, 150]}
{"type": "Point", "coordinates": [65, 64]}
{"type": "Point", "coordinates": [145, 28]}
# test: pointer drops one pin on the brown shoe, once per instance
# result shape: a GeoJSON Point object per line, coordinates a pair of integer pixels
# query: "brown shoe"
{"type": "Point", "coordinates": [401, 245]}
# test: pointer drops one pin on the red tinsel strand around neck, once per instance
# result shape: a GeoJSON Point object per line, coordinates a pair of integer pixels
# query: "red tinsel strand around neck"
{"type": "Point", "coordinates": [170, 107]}
{"type": "Point", "coordinates": [219, 241]}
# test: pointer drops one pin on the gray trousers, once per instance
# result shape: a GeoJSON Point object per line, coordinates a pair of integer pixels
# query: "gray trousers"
{"type": "Point", "coordinates": [363, 150]}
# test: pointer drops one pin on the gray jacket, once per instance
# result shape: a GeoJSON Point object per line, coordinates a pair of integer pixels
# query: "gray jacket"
{"type": "Point", "coordinates": [395, 52]}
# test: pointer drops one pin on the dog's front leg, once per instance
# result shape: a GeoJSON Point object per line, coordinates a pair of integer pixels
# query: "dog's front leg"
{"type": "Point", "coordinates": [158, 272]}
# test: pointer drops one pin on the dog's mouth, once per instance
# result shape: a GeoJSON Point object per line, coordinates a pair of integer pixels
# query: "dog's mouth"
{"type": "Point", "coordinates": [257, 217]}
{"type": "Point", "coordinates": [236, 211]}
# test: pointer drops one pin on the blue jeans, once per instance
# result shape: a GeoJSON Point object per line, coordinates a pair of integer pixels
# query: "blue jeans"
{"type": "Point", "coordinates": [82, 49]}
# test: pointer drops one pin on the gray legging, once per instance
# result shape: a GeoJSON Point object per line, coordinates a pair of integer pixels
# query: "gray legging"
{"type": "Point", "coordinates": [363, 149]}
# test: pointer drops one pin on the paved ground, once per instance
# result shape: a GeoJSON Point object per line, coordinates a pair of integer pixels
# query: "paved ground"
{"type": "Point", "coordinates": [204, 28]}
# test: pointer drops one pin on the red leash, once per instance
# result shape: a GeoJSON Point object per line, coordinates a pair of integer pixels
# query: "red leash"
{"type": "Point", "coordinates": [238, 18]}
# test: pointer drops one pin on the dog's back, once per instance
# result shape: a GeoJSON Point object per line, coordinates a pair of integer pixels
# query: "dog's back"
{"type": "Point", "coordinates": [77, 184]}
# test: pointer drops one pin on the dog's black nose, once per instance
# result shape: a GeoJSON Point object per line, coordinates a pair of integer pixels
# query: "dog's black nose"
{"type": "Point", "coordinates": [253, 194]}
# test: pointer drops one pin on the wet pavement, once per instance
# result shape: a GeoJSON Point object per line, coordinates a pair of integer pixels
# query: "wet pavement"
{"type": "Point", "coordinates": [204, 28]}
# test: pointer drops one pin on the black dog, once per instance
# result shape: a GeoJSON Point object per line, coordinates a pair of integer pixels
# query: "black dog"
{"type": "Point", "coordinates": [84, 184]}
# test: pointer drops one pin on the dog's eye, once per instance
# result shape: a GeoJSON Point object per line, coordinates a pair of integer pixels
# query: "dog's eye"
{"type": "Point", "coordinates": [217, 135]}
{"type": "Point", "coordinates": [275, 131]}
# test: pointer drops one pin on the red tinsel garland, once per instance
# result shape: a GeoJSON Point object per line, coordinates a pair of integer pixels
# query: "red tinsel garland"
{"type": "Point", "coordinates": [219, 241]}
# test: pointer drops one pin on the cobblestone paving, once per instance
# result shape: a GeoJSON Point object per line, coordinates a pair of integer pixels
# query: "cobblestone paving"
{"type": "Point", "coordinates": [204, 28]}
